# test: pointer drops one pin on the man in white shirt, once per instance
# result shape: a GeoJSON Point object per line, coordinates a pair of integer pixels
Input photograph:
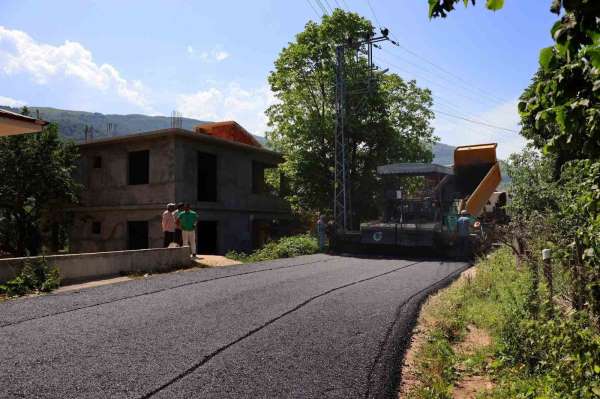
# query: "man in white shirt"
{"type": "Point", "coordinates": [169, 224]}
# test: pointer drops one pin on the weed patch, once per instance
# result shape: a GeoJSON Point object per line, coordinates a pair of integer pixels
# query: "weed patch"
{"type": "Point", "coordinates": [286, 247]}
{"type": "Point", "coordinates": [35, 276]}
{"type": "Point", "coordinates": [483, 337]}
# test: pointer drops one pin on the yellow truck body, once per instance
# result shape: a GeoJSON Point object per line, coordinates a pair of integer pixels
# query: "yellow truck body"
{"type": "Point", "coordinates": [477, 166]}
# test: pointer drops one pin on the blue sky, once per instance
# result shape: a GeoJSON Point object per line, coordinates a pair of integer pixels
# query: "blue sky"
{"type": "Point", "coordinates": [210, 60]}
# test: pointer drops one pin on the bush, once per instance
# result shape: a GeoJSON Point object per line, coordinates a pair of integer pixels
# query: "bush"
{"type": "Point", "coordinates": [35, 276]}
{"type": "Point", "coordinates": [563, 355]}
{"type": "Point", "coordinates": [286, 247]}
{"type": "Point", "coordinates": [543, 351]}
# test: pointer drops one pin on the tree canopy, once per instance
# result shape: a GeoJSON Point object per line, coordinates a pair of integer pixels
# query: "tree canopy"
{"type": "Point", "coordinates": [560, 111]}
{"type": "Point", "coordinates": [392, 124]}
{"type": "Point", "coordinates": [36, 183]}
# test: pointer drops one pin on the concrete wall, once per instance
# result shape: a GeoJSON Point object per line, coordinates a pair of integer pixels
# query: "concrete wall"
{"type": "Point", "coordinates": [113, 228]}
{"type": "Point", "coordinates": [234, 229]}
{"type": "Point", "coordinates": [89, 266]}
{"type": "Point", "coordinates": [108, 185]}
{"type": "Point", "coordinates": [234, 178]}
{"type": "Point", "coordinates": [109, 200]}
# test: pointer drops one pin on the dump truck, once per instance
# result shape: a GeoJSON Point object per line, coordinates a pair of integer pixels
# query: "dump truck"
{"type": "Point", "coordinates": [422, 202]}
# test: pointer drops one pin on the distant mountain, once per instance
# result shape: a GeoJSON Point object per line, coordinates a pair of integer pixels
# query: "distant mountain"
{"type": "Point", "coordinates": [262, 140]}
{"type": "Point", "coordinates": [72, 125]}
{"type": "Point", "coordinates": [443, 154]}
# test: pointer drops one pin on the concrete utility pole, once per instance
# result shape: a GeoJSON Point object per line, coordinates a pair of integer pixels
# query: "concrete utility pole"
{"type": "Point", "coordinates": [341, 190]}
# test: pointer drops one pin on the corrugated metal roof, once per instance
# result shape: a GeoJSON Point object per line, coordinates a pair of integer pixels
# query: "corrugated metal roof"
{"type": "Point", "coordinates": [13, 115]}
{"type": "Point", "coordinates": [414, 169]}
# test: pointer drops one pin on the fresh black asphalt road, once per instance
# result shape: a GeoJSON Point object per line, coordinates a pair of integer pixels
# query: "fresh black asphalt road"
{"type": "Point", "coordinates": [316, 326]}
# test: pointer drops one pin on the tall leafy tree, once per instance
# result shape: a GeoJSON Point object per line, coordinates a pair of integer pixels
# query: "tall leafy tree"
{"type": "Point", "coordinates": [392, 124]}
{"type": "Point", "coordinates": [36, 184]}
{"type": "Point", "coordinates": [560, 111]}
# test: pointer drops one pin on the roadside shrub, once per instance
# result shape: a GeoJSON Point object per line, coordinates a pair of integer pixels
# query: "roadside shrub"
{"type": "Point", "coordinates": [286, 247]}
{"type": "Point", "coordinates": [563, 354]}
{"type": "Point", "coordinates": [35, 276]}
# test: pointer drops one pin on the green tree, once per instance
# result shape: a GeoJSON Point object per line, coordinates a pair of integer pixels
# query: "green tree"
{"type": "Point", "coordinates": [390, 125]}
{"type": "Point", "coordinates": [36, 184]}
{"type": "Point", "coordinates": [560, 111]}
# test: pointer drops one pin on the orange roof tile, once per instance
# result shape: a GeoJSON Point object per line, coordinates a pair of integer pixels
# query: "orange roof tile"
{"type": "Point", "coordinates": [228, 130]}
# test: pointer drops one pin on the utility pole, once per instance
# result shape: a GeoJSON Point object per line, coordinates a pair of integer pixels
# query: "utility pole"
{"type": "Point", "coordinates": [341, 190]}
{"type": "Point", "coordinates": [340, 193]}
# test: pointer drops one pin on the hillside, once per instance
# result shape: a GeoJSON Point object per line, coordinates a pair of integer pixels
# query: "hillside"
{"type": "Point", "coordinates": [72, 125]}
{"type": "Point", "coordinates": [443, 154]}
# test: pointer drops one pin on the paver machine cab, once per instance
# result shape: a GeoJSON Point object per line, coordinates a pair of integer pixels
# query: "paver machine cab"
{"type": "Point", "coordinates": [426, 217]}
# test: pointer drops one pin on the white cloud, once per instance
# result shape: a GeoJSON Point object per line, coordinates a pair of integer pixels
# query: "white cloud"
{"type": "Point", "coordinates": [455, 131]}
{"type": "Point", "coordinates": [217, 54]}
{"type": "Point", "coordinates": [221, 55]}
{"type": "Point", "coordinates": [229, 102]}
{"type": "Point", "coordinates": [19, 53]}
{"type": "Point", "coordinates": [11, 102]}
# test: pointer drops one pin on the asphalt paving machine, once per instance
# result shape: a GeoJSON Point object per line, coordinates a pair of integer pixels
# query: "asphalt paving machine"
{"type": "Point", "coordinates": [426, 217]}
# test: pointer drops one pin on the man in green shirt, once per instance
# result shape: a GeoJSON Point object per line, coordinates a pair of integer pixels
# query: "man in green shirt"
{"type": "Point", "coordinates": [186, 220]}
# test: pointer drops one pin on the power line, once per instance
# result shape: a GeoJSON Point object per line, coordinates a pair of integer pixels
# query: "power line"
{"type": "Point", "coordinates": [314, 9]}
{"type": "Point", "coordinates": [426, 79]}
{"type": "Point", "coordinates": [456, 123]}
{"type": "Point", "coordinates": [449, 104]}
{"type": "Point", "coordinates": [328, 6]}
{"type": "Point", "coordinates": [463, 87]}
{"type": "Point", "coordinates": [338, 4]}
{"type": "Point", "coordinates": [433, 64]}
{"type": "Point", "coordinates": [321, 6]}
{"type": "Point", "coordinates": [374, 15]}
{"type": "Point", "coordinates": [475, 121]}
{"type": "Point", "coordinates": [455, 76]}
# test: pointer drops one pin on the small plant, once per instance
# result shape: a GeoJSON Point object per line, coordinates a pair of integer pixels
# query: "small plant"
{"type": "Point", "coordinates": [286, 247]}
{"type": "Point", "coordinates": [35, 276]}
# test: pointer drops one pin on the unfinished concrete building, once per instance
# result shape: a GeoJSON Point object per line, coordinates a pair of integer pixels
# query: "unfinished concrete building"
{"type": "Point", "coordinates": [218, 168]}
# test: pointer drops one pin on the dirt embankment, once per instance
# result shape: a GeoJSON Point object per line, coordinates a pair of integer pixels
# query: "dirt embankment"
{"type": "Point", "coordinates": [467, 383]}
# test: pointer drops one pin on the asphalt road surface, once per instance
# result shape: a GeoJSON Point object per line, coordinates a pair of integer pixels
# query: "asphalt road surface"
{"type": "Point", "coordinates": [316, 326]}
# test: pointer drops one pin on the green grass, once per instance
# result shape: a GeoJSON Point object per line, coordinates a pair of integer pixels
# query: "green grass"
{"type": "Point", "coordinates": [541, 355]}
{"type": "Point", "coordinates": [477, 301]}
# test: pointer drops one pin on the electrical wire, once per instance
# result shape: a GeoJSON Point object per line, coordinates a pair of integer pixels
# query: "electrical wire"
{"type": "Point", "coordinates": [448, 103]}
{"type": "Point", "coordinates": [374, 15]}
{"type": "Point", "coordinates": [314, 9]}
{"type": "Point", "coordinates": [442, 83]}
{"type": "Point", "coordinates": [321, 6]}
{"type": "Point", "coordinates": [433, 64]}
{"type": "Point", "coordinates": [328, 6]}
{"type": "Point", "coordinates": [426, 79]}
{"type": "Point", "coordinates": [475, 121]}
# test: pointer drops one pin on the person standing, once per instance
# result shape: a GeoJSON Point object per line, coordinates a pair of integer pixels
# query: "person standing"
{"type": "Point", "coordinates": [168, 225]}
{"type": "Point", "coordinates": [186, 220]}
{"type": "Point", "coordinates": [321, 229]}
{"type": "Point", "coordinates": [178, 235]}
{"type": "Point", "coordinates": [463, 225]}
